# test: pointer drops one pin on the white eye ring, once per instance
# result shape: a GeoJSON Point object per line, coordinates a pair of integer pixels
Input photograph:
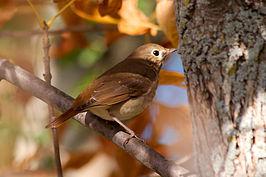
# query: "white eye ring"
{"type": "Point", "coordinates": [156, 53]}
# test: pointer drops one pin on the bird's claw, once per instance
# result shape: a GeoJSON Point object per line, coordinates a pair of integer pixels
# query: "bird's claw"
{"type": "Point", "coordinates": [132, 135]}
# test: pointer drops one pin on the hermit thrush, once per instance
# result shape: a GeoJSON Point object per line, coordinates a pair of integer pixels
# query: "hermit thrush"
{"type": "Point", "coordinates": [125, 90]}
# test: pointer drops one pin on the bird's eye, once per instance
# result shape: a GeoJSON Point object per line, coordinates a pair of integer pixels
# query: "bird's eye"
{"type": "Point", "coordinates": [156, 53]}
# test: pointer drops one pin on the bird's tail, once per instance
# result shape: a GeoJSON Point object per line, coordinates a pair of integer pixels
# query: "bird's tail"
{"type": "Point", "coordinates": [62, 118]}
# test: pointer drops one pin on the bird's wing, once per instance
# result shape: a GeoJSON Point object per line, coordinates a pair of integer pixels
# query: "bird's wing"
{"type": "Point", "coordinates": [113, 89]}
{"type": "Point", "coordinates": [106, 91]}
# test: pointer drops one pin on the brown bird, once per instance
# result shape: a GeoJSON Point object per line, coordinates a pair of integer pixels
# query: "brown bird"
{"type": "Point", "coordinates": [125, 90]}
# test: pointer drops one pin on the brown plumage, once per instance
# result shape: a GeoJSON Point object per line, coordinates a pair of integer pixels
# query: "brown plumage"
{"type": "Point", "coordinates": [125, 90]}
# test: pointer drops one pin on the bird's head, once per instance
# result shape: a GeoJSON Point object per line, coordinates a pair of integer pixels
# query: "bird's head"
{"type": "Point", "coordinates": [152, 52]}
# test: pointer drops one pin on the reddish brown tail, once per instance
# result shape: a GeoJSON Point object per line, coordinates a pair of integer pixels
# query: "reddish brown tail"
{"type": "Point", "coordinates": [61, 119]}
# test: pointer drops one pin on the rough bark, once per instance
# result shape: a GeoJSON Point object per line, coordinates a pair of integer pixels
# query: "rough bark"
{"type": "Point", "coordinates": [223, 48]}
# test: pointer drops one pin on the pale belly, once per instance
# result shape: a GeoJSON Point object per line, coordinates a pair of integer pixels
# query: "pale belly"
{"type": "Point", "coordinates": [127, 109]}
{"type": "Point", "coordinates": [122, 111]}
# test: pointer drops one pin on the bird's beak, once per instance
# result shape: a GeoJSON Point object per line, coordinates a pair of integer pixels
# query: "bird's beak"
{"type": "Point", "coordinates": [169, 51]}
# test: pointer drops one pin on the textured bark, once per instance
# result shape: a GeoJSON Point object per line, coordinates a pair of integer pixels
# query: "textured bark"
{"type": "Point", "coordinates": [223, 48]}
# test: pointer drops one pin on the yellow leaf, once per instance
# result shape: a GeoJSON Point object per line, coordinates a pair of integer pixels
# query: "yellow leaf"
{"type": "Point", "coordinates": [165, 15]}
{"type": "Point", "coordinates": [134, 21]}
{"type": "Point", "coordinates": [171, 78]}
{"type": "Point", "coordinates": [109, 7]}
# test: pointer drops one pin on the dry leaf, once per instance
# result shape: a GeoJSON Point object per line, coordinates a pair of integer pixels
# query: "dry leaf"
{"type": "Point", "coordinates": [165, 15]}
{"type": "Point", "coordinates": [109, 7]}
{"type": "Point", "coordinates": [89, 10]}
{"type": "Point", "coordinates": [171, 78]}
{"type": "Point", "coordinates": [133, 21]}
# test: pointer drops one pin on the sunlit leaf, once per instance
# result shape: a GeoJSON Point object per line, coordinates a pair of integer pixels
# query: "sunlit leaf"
{"type": "Point", "coordinates": [171, 78]}
{"type": "Point", "coordinates": [109, 7]}
{"type": "Point", "coordinates": [133, 21]}
{"type": "Point", "coordinates": [166, 19]}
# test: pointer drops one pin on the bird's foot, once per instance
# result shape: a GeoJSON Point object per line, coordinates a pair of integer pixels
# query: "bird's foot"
{"type": "Point", "coordinates": [129, 131]}
{"type": "Point", "coordinates": [131, 135]}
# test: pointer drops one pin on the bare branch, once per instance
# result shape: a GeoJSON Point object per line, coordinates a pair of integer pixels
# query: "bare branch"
{"type": "Point", "coordinates": [46, 58]}
{"type": "Point", "coordinates": [111, 130]}
{"type": "Point", "coordinates": [48, 78]}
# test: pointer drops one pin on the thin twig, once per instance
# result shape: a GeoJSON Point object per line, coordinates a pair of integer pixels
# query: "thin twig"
{"type": "Point", "coordinates": [37, 14]}
{"type": "Point", "coordinates": [47, 74]}
{"type": "Point", "coordinates": [50, 22]}
{"type": "Point", "coordinates": [48, 77]}
{"type": "Point", "coordinates": [111, 130]}
{"type": "Point", "coordinates": [52, 19]}
{"type": "Point", "coordinates": [46, 58]}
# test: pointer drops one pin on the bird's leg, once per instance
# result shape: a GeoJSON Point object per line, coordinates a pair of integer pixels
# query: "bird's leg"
{"type": "Point", "coordinates": [131, 132]}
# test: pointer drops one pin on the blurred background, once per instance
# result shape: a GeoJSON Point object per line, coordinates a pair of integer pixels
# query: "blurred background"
{"type": "Point", "coordinates": [86, 39]}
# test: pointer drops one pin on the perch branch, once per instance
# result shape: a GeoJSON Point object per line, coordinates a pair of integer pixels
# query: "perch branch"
{"type": "Point", "coordinates": [51, 95]}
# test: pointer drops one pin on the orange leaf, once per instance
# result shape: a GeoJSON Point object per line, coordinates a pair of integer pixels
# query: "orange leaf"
{"type": "Point", "coordinates": [166, 19]}
{"type": "Point", "coordinates": [171, 78]}
{"type": "Point", "coordinates": [109, 7]}
{"type": "Point", "coordinates": [89, 10]}
{"type": "Point", "coordinates": [133, 21]}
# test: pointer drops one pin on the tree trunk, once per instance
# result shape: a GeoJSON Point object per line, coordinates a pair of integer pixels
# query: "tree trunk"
{"type": "Point", "coordinates": [223, 48]}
